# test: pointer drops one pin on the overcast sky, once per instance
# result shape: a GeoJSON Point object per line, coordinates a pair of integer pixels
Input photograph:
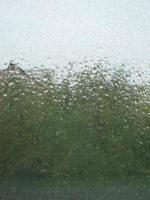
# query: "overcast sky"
{"type": "Point", "coordinates": [45, 31]}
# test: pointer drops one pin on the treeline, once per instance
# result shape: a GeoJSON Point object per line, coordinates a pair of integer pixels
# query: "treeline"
{"type": "Point", "coordinates": [89, 126]}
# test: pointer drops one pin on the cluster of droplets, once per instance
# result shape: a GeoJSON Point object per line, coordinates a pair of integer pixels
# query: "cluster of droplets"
{"type": "Point", "coordinates": [96, 107]}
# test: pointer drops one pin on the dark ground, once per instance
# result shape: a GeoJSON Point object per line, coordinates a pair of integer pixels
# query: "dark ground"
{"type": "Point", "coordinates": [39, 189]}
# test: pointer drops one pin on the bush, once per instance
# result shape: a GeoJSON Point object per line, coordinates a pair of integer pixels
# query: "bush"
{"type": "Point", "coordinates": [88, 126]}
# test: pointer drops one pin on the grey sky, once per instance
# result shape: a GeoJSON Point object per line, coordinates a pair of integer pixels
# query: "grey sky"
{"type": "Point", "coordinates": [45, 31]}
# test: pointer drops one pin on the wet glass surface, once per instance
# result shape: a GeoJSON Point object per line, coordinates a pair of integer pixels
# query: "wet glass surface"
{"type": "Point", "coordinates": [81, 135]}
{"type": "Point", "coordinates": [74, 100]}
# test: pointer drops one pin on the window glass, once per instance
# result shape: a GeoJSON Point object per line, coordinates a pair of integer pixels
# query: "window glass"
{"type": "Point", "coordinates": [74, 100]}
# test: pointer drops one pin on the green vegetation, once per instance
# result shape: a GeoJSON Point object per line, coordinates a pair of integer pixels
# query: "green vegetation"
{"type": "Point", "coordinates": [90, 126]}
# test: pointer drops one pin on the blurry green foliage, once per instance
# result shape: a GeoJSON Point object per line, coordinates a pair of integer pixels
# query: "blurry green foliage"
{"type": "Point", "coordinates": [91, 125]}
